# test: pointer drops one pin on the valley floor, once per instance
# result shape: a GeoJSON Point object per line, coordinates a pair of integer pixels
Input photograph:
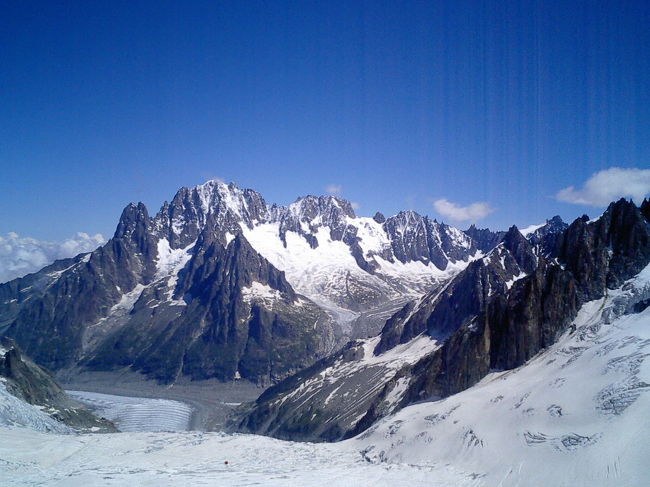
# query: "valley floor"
{"type": "Point", "coordinates": [211, 401]}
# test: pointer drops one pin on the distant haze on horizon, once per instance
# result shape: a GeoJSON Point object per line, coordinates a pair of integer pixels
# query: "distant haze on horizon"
{"type": "Point", "coordinates": [494, 113]}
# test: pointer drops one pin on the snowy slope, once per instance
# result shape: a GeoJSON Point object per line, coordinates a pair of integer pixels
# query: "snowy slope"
{"type": "Point", "coordinates": [574, 415]}
{"type": "Point", "coordinates": [18, 413]}
{"type": "Point", "coordinates": [330, 276]}
{"type": "Point", "coordinates": [181, 459]}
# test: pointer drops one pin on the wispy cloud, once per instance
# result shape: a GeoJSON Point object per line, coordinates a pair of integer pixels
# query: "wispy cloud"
{"type": "Point", "coordinates": [333, 189]}
{"type": "Point", "coordinates": [608, 185]}
{"type": "Point", "coordinates": [355, 205]}
{"type": "Point", "coordinates": [22, 255]}
{"type": "Point", "coordinates": [455, 212]}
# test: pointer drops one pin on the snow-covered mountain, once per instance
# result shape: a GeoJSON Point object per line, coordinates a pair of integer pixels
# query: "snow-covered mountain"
{"type": "Point", "coordinates": [575, 414]}
{"type": "Point", "coordinates": [499, 312]}
{"type": "Point", "coordinates": [221, 284]}
{"type": "Point", "coordinates": [526, 351]}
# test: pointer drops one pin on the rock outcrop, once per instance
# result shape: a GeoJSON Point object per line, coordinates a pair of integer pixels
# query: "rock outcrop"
{"type": "Point", "coordinates": [32, 384]}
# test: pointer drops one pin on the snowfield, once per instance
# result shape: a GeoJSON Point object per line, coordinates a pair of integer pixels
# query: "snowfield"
{"type": "Point", "coordinates": [29, 458]}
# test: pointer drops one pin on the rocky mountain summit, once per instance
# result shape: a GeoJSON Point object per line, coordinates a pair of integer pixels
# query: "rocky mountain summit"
{"type": "Point", "coordinates": [221, 284]}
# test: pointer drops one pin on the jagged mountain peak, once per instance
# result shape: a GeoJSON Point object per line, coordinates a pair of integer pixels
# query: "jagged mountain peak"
{"type": "Point", "coordinates": [408, 217]}
{"type": "Point", "coordinates": [308, 207]}
{"type": "Point", "coordinates": [133, 216]}
{"type": "Point", "coordinates": [497, 314]}
{"type": "Point", "coordinates": [218, 258]}
{"type": "Point", "coordinates": [483, 238]}
{"type": "Point", "coordinates": [514, 238]}
{"type": "Point", "coordinates": [645, 208]}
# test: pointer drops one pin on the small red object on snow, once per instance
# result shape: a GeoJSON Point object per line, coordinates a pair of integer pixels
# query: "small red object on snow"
{"type": "Point", "coordinates": [226, 462]}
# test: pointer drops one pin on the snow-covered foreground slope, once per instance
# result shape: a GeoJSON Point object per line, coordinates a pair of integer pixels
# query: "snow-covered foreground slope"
{"type": "Point", "coordinates": [136, 413]}
{"type": "Point", "coordinates": [182, 459]}
{"type": "Point", "coordinates": [577, 414]}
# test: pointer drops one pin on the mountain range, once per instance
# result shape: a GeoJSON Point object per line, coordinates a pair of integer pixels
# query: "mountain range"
{"type": "Point", "coordinates": [496, 314]}
{"type": "Point", "coordinates": [221, 284]}
{"type": "Point", "coordinates": [348, 319]}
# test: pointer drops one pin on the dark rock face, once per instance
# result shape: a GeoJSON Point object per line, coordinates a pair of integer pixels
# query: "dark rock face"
{"type": "Point", "coordinates": [49, 325]}
{"type": "Point", "coordinates": [417, 238]}
{"type": "Point", "coordinates": [441, 313]}
{"type": "Point", "coordinates": [484, 239]}
{"type": "Point", "coordinates": [221, 332]}
{"type": "Point", "coordinates": [496, 314]}
{"type": "Point", "coordinates": [645, 208]}
{"type": "Point", "coordinates": [545, 236]}
{"type": "Point", "coordinates": [511, 327]}
{"type": "Point", "coordinates": [218, 309]}
{"type": "Point", "coordinates": [32, 384]}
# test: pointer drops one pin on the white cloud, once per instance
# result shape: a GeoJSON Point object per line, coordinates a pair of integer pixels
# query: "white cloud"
{"type": "Point", "coordinates": [355, 205]}
{"type": "Point", "coordinates": [22, 255]}
{"type": "Point", "coordinates": [473, 212]}
{"type": "Point", "coordinates": [333, 189]}
{"type": "Point", "coordinates": [609, 185]}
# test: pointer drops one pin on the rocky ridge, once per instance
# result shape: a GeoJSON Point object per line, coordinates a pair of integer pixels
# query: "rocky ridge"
{"type": "Point", "coordinates": [495, 315]}
{"type": "Point", "coordinates": [220, 284]}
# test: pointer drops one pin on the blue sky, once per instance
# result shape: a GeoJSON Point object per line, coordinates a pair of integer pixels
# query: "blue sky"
{"type": "Point", "coordinates": [401, 104]}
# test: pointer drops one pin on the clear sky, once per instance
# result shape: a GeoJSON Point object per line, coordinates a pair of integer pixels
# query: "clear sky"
{"type": "Point", "coordinates": [399, 104]}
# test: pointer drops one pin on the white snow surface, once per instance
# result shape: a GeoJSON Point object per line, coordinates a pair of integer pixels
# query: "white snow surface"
{"type": "Point", "coordinates": [531, 229]}
{"type": "Point", "coordinates": [170, 262]}
{"type": "Point", "coordinates": [308, 270]}
{"type": "Point", "coordinates": [29, 458]}
{"type": "Point", "coordinates": [260, 292]}
{"type": "Point", "coordinates": [514, 279]}
{"type": "Point", "coordinates": [138, 414]}
{"type": "Point", "coordinates": [126, 302]}
{"type": "Point", "coordinates": [329, 271]}
{"type": "Point", "coordinates": [17, 413]}
{"type": "Point", "coordinates": [576, 414]}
